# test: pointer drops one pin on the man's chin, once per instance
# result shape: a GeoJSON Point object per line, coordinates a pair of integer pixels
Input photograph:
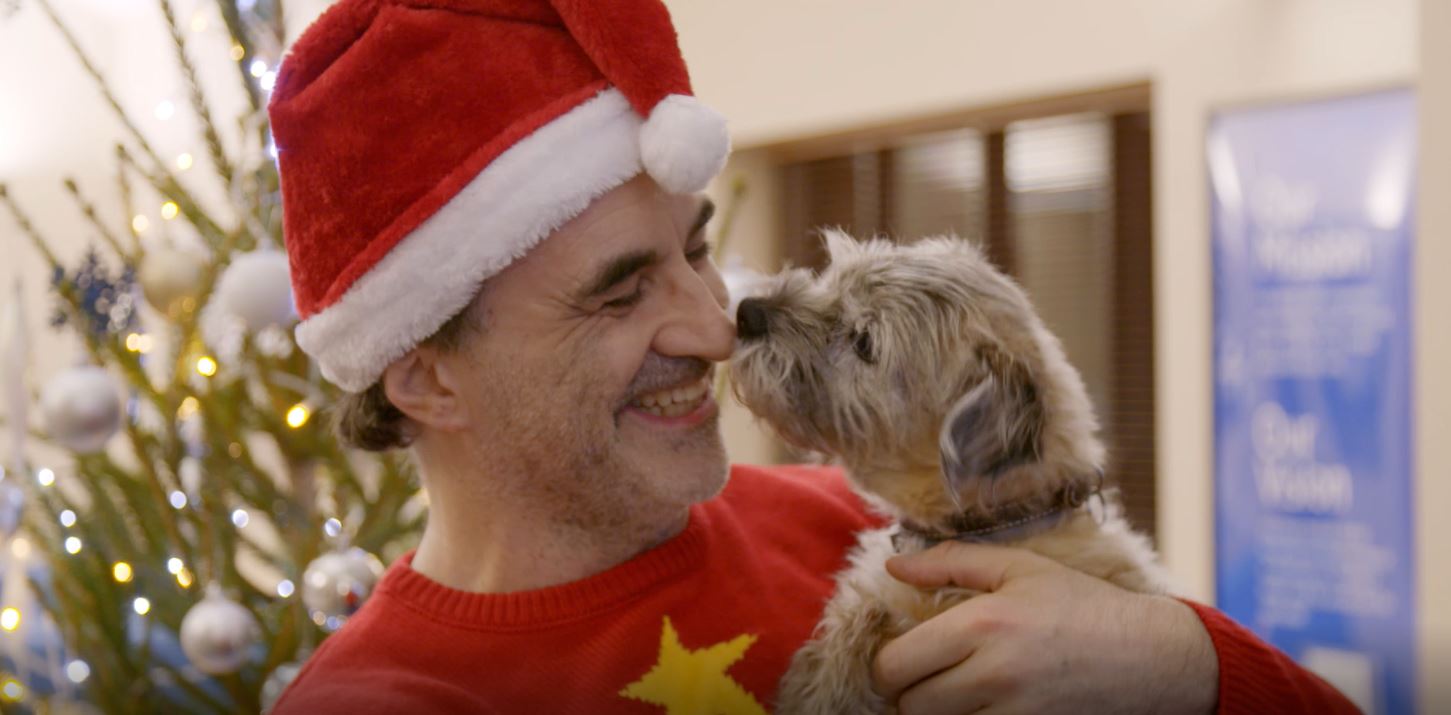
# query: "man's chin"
{"type": "Point", "coordinates": [685, 471]}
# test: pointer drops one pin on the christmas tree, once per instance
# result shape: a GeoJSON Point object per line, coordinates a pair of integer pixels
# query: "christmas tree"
{"type": "Point", "coordinates": [208, 530]}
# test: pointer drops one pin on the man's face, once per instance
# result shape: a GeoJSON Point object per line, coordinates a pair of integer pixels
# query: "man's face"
{"type": "Point", "coordinates": [590, 380]}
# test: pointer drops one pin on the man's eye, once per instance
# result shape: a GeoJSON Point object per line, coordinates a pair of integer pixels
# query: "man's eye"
{"type": "Point", "coordinates": [699, 253]}
{"type": "Point", "coordinates": [626, 301]}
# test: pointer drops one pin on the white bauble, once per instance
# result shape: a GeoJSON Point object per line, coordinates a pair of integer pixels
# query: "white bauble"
{"type": "Point", "coordinates": [336, 583]}
{"type": "Point", "coordinates": [217, 634]}
{"type": "Point", "coordinates": [169, 275]}
{"type": "Point", "coordinates": [81, 408]}
{"type": "Point", "coordinates": [257, 290]}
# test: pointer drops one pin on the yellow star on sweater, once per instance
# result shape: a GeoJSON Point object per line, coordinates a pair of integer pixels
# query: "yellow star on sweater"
{"type": "Point", "coordinates": [694, 682]}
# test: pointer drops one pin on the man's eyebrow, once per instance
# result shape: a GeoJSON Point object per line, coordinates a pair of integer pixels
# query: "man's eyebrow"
{"type": "Point", "coordinates": [618, 270]}
{"type": "Point", "coordinates": [707, 210]}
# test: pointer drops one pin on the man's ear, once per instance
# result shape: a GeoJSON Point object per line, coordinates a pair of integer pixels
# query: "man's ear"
{"type": "Point", "coordinates": [422, 387]}
{"type": "Point", "coordinates": [997, 425]}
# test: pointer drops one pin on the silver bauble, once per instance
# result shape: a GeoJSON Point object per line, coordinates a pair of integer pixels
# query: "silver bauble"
{"type": "Point", "coordinates": [335, 584]}
{"type": "Point", "coordinates": [277, 682]}
{"type": "Point", "coordinates": [217, 634]}
{"type": "Point", "coordinates": [169, 275]}
{"type": "Point", "coordinates": [257, 290]}
{"type": "Point", "coordinates": [81, 408]}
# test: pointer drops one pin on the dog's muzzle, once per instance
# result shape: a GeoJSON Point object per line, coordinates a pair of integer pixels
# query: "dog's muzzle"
{"type": "Point", "coordinates": [752, 319]}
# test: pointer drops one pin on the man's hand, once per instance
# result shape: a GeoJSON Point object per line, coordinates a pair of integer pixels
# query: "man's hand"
{"type": "Point", "coordinates": [1043, 638]}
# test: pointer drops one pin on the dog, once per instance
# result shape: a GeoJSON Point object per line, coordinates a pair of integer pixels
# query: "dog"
{"type": "Point", "coordinates": [925, 372]}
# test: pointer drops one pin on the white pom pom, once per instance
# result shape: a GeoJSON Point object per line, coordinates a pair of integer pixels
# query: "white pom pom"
{"type": "Point", "coordinates": [683, 144]}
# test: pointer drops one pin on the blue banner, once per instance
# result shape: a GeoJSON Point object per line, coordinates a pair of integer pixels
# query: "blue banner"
{"type": "Point", "coordinates": [1313, 208]}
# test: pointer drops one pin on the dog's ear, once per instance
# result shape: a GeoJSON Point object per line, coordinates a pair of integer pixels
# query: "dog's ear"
{"type": "Point", "coordinates": [839, 243]}
{"type": "Point", "coordinates": [997, 425]}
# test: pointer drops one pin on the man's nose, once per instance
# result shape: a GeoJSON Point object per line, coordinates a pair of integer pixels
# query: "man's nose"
{"type": "Point", "coordinates": [752, 320]}
{"type": "Point", "coordinates": [700, 328]}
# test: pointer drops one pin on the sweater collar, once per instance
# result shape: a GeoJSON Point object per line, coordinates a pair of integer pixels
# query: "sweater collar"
{"type": "Point", "coordinates": [566, 602]}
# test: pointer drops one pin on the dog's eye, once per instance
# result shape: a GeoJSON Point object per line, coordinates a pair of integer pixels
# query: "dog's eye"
{"type": "Point", "coordinates": [861, 344]}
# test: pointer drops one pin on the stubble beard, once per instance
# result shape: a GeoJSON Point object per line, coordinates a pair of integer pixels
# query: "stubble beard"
{"type": "Point", "coordinates": [604, 480]}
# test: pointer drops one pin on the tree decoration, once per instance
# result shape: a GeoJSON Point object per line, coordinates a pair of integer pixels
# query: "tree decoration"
{"type": "Point", "coordinates": [172, 279]}
{"type": "Point", "coordinates": [104, 305]}
{"type": "Point", "coordinates": [337, 583]}
{"type": "Point", "coordinates": [81, 408]}
{"type": "Point", "coordinates": [255, 289]}
{"type": "Point", "coordinates": [218, 634]}
{"type": "Point", "coordinates": [211, 471]}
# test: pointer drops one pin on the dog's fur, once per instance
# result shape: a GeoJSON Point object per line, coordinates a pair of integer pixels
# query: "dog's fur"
{"type": "Point", "coordinates": [926, 373]}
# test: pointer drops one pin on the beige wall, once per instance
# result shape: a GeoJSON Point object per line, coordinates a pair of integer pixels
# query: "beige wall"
{"type": "Point", "coordinates": [786, 69]}
{"type": "Point", "coordinates": [1433, 355]}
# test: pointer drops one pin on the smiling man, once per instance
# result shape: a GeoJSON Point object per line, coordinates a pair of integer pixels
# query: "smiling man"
{"type": "Point", "coordinates": [497, 243]}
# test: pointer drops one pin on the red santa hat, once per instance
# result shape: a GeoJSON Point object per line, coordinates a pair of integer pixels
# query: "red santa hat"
{"type": "Point", "coordinates": [426, 144]}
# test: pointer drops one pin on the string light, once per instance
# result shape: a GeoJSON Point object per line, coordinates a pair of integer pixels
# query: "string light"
{"type": "Point", "coordinates": [297, 415]}
{"type": "Point", "coordinates": [73, 544]}
{"type": "Point", "coordinates": [238, 52]}
{"type": "Point", "coordinates": [268, 80]}
{"type": "Point", "coordinates": [45, 477]}
{"type": "Point", "coordinates": [139, 342]}
{"type": "Point", "coordinates": [188, 407]}
{"type": "Point", "coordinates": [206, 366]}
{"type": "Point", "coordinates": [10, 619]}
{"type": "Point", "coordinates": [177, 499]}
{"type": "Point", "coordinates": [121, 571]}
{"type": "Point", "coordinates": [141, 605]}
{"type": "Point", "coordinates": [139, 223]}
{"type": "Point", "coordinates": [183, 577]}
{"type": "Point", "coordinates": [332, 527]}
{"type": "Point", "coordinates": [258, 68]}
{"type": "Point", "coordinates": [20, 547]}
{"type": "Point", "coordinates": [12, 690]}
{"type": "Point", "coordinates": [184, 161]}
{"type": "Point", "coordinates": [77, 671]}
{"type": "Point", "coordinates": [169, 210]}
{"type": "Point", "coordinates": [285, 588]}
{"type": "Point", "coordinates": [165, 110]}
{"type": "Point", "coordinates": [240, 518]}
{"type": "Point", "coordinates": [67, 518]}
{"type": "Point", "coordinates": [174, 565]}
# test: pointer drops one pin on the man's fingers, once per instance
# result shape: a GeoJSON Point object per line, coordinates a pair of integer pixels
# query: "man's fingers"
{"type": "Point", "coordinates": [952, 692]}
{"type": "Point", "coordinates": [975, 566]}
{"type": "Point", "coordinates": [938, 644]}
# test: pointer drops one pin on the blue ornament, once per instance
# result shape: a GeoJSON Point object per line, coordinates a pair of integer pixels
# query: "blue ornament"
{"type": "Point", "coordinates": [108, 306]}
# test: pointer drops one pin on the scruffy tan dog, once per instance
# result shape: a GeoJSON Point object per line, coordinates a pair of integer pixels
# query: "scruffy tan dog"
{"type": "Point", "coordinates": [926, 373]}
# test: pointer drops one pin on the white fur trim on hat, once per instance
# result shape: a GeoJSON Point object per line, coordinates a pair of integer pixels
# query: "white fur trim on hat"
{"type": "Point", "coordinates": [531, 189]}
{"type": "Point", "coordinates": [684, 144]}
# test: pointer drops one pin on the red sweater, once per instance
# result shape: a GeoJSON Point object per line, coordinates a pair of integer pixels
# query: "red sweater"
{"type": "Point", "coordinates": [710, 617]}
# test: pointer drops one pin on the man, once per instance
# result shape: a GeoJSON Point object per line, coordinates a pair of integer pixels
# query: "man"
{"type": "Point", "coordinates": [497, 246]}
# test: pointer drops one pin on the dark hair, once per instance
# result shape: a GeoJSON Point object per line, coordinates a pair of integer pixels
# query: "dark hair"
{"type": "Point", "coordinates": [367, 420]}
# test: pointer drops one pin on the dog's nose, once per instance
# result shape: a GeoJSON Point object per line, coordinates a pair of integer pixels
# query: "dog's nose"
{"type": "Point", "coordinates": [751, 319]}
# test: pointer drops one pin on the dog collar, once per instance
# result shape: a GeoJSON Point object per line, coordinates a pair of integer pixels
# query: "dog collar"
{"type": "Point", "coordinates": [1003, 525]}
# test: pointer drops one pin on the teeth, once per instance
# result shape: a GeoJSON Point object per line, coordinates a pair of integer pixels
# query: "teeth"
{"type": "Point", "coordinates": [675, 402]}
